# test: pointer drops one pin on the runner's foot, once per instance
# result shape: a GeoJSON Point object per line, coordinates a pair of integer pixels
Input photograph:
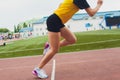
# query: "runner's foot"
{"type": "Point", "coordinates": [39, 73]}
{"type": "Point", "coordinates": [46, 48]}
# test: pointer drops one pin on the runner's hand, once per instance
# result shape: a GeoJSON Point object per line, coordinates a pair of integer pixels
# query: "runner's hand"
{"type": "Point", "coordinates": [100, 2]}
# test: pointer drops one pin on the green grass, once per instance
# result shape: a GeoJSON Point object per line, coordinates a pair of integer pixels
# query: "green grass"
{"type": "Point", "coordinates": [86, 41]}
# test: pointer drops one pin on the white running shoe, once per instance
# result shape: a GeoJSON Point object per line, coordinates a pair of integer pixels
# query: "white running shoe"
{"type": "Point", "coordinates": [39, 73]}
{"type": "Point", "coordinates": [46, 48]}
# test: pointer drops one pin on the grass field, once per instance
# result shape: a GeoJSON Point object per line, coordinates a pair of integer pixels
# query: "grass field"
{"type": "Point", "coordinates": [86, 41]}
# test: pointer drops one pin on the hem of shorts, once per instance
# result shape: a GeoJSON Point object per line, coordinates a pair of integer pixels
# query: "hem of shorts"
{"type": "Point", "coordinates": [53, 31]}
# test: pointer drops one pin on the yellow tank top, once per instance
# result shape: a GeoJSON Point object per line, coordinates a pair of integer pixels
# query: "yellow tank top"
{"type": "Point", "coordinates": [66, 10]}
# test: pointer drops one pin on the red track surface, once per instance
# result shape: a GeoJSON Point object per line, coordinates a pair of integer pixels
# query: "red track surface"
{"type": "Point", "coordinates": [86, 65]}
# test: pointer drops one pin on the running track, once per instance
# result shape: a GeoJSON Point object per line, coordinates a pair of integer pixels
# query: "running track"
{"type": "Point", "coordinates": [85, 65]}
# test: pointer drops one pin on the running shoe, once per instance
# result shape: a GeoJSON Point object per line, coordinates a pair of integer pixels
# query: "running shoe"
{"type": "Point", "coordinates": [39, 73]}
{"type": "Point", "coordinates": [46, 48]}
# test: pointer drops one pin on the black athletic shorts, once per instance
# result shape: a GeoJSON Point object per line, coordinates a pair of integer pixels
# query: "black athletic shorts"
{"type": "Point", "coordinates": [54, 23]}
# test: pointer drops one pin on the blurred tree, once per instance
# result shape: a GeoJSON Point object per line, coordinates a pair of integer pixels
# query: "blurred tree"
{"type": "Point", "coordinates": [4, 30]}
{"type": "Point", "coordinates": [18, 28]}
{"type": "Point", "coordinates": [24, 25]}
{"type": "Point", "coordinates": [15, 29]}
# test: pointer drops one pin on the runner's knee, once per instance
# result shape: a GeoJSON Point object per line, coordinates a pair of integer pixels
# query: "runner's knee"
{"type": "Point", "coordinates": [73, 40]}
{"type": "Point", "coordinates": [55, 50]}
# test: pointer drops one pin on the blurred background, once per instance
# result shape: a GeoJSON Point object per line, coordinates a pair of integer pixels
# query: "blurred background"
{"type": "Point", "coordinates": [23, 29]}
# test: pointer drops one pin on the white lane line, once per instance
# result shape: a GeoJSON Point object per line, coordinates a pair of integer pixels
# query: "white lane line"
{"type": "Point", "coordinates": [112, 40]}
{"type": "Point", "coordinates": [53, 70]}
